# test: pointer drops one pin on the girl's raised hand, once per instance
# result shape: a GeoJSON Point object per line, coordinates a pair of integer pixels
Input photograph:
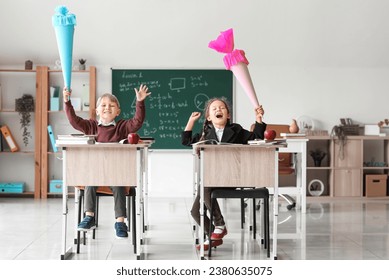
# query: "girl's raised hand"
{"type": "Point", "coordinates": [195, 116]}
{"type": "Point", "coordinates": [259, 114]}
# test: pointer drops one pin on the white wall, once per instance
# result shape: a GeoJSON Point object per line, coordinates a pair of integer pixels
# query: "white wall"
{"type": "Point", "coordinates": [326, 59]}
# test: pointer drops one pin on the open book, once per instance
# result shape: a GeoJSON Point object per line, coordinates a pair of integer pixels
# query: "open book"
{"type": "Point", "coordinates": [209, 141]}
{"type": "Point", "coordinates": [214, 142]}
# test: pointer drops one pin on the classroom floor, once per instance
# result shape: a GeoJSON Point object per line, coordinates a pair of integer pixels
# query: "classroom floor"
{"type": "Point", "coordinates": [332, 229]}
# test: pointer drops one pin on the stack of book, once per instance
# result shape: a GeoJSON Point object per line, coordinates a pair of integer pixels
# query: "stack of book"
{"type": "Point", "coordinates": [266, 142]}
{"type": "Point", "coordinates": [293, 135]}
{"type": "Point", "coordinates": [75, 139]}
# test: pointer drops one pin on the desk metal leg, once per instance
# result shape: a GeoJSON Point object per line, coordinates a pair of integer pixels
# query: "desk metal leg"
{"type": "Point", "coordinates": [139, 229]}
{"type": "Point", "coordinates": [196, 180]}
{"type": "Point", "coordinates": [304, 179]}
{"type": "Point", "coordinates": [65, 253]}
{"type": "Point", "coordinates": [275, 209]}
{"type": "Point", "coordinates": [201, 233]}
{"type": "Point", "coordinates": [146, 188]}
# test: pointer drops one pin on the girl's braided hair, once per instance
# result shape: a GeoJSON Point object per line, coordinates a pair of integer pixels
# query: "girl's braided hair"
{"type": "Point", "coordinates": [208, 124]}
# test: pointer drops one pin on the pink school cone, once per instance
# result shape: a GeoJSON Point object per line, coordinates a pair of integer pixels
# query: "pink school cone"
{"type": "Point", "coordinates": [242, 74]}
{"type": "Point", "coordinates": [236, 61]}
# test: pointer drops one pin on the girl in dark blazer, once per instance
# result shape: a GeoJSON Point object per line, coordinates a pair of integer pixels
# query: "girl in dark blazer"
{"type": "Point", "coordinates": [218, 128]}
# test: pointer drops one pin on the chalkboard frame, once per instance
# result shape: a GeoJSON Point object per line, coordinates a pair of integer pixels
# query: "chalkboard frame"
{"type": "Point", "coordinates": [210, 82]}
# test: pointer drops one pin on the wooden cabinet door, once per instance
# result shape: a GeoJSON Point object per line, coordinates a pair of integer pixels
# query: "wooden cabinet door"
{"type": "Point", "coordinates": [347, 182]}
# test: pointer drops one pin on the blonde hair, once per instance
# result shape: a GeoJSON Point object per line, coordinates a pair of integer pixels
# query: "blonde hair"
{"type": "Point", "coordinates": [111, 98]}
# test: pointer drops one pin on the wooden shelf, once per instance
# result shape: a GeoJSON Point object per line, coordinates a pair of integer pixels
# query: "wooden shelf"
{"type": "Point", "coordinates": [24, 194]}
{"type": "Point", "coordinates": [18, 152]}
{"type": "Point", "coordinates": [8, 94]}
{"type": "Point", "coordinates": [19, 70]}
{"type": "Point", "coordinates": [45, 120]}
{"type": "Point", "coordinates": [41, 117]}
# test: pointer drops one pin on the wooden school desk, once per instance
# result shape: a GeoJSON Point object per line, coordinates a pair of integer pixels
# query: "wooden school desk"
{"type": "Point", "coordinates": [235, 165]}
{"type": "Point", "coordinates": [104, 164]}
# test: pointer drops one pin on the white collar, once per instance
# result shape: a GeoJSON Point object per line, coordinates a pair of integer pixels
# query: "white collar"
{"type": "Point", "coordinates": [107, 124]}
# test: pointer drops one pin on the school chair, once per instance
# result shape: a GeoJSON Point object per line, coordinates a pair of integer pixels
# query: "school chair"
{"type": "Point", "coordinates": [101, 192]}
{"type": "Point", "coordinates": [286, 165]}
{"type": "Point", "coordinates": [246, 193]}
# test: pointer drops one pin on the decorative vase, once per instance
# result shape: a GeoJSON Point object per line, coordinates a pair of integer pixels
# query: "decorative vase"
{"type": "Point", "coordinates": [293, 128]}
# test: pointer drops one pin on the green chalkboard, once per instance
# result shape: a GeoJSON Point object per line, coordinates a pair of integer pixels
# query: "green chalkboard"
{"type": "Point", "coordinates": [175, 94]}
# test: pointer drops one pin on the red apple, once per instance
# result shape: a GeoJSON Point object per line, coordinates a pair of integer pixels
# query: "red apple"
{"type": "Point", "coordinates": [270, 134]}
{"type": "Point", "coordinates": [133, 138]}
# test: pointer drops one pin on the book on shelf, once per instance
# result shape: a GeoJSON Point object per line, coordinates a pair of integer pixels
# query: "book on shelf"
{"type": "Point", "coordinates": [9, 138]}
{"type": "Point", "coordinates": [76, 139]}
{"type": "Point", "coordinates": [52, 138]}
{"type": "Point", "coordinates": [1, 142]}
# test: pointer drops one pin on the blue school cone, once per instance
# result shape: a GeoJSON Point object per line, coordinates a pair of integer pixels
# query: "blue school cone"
{"type": "Point", "coordinates": [64, 23]}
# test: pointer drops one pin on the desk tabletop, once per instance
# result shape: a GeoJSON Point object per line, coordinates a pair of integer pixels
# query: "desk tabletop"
{"type": "Point", "coordinates": [97, 145]}
{"type": "Point", "coordinates": [243, 146]}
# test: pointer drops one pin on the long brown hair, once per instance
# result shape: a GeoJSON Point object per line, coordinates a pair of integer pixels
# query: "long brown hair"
{"type": "Point", "coordinates": [207, 124]}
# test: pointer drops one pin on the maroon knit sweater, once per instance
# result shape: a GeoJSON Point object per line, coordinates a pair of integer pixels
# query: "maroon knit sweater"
{"type": "Point", "coordinates": [107, 133]}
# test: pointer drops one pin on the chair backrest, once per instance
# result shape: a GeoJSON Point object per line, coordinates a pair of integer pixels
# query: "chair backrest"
{"type": "Point", "coordinates": [285, 164]}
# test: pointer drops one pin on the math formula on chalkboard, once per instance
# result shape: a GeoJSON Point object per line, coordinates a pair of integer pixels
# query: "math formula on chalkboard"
{"type": "Point", "coordinates": [175, 94]}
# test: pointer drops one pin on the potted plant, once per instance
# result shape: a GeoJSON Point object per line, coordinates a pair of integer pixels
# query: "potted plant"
{"type": "Point", "coordinates": [82, 63]}
{"type": "Point", "coordinates": [24, 106]}
{"type": "Point", "coordinates": [317, 156]}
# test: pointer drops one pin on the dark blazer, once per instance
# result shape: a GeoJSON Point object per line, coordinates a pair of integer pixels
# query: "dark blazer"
{"type": "Point", "coordinates": [233, 133]}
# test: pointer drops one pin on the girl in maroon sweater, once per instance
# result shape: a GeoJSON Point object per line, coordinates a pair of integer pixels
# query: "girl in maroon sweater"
{"type": "Point", "coordinates": [107, 130]}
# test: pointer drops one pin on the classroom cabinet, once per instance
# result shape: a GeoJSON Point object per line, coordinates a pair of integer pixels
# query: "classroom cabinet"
{"type": "Point", "coordinates": [347, 182]}
{"type": "Point", "coordinates": [347, 163]}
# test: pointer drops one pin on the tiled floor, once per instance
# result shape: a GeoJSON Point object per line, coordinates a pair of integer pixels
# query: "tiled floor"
{"type": "Point", "coordinates": [335, 229]}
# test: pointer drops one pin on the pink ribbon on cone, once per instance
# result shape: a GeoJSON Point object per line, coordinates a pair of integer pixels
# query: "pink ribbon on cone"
{"type": "Point", "coordinates": [236, 61]}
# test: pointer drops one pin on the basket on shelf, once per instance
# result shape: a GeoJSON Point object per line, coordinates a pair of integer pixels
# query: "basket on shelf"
{"type": "Point", "coordinates": [350, 129]}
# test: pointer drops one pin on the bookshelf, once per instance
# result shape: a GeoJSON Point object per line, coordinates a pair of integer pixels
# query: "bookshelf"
{"type": "Point", "coordinates": [23, 165]}
{"type": "Point", "coordinates": [51, 167]}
